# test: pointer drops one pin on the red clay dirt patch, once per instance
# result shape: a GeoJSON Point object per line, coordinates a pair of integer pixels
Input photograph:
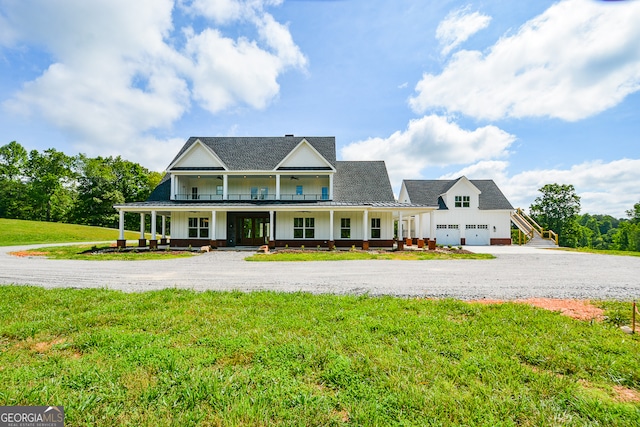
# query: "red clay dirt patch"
{"type": "Point", "coordinates": [624, 394]}
{"type": "Point", "coordinates": [28, 253]}
{"type": "Point", "coordinates": [576, 309]}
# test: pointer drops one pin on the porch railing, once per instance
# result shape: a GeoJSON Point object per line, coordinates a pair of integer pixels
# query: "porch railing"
{"type": "Point", "coordinates": [248, 196]}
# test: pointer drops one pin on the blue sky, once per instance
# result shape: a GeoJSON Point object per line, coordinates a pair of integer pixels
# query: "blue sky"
{"type": "Point", "coordinates": [525, 93]}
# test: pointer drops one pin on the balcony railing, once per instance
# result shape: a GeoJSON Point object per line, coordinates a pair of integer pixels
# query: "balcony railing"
{"type": "Point", "coordinates": [248, 197]}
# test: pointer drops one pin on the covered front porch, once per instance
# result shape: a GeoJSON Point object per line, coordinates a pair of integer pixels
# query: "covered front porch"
{"type": "Point", "coordinates": [244, 224]}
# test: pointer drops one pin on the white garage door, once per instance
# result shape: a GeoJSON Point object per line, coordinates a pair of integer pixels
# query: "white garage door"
{"type": "Point", "coordinates": [477, 235]}
{"type": "Point", "coordinates": [448, 234]}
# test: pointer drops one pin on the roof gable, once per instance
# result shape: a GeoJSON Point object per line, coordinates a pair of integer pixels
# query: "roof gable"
{"type": "Point", "coordinates": [197, 156]}
{"type": "Point", "coordinates": [260, 153]}
{"type": "Point", "coordinates": [429, 192]}
{"type": "Point", "coordinates": [462, 185]}
{"type": "Point", "coordinates": [303, 156]}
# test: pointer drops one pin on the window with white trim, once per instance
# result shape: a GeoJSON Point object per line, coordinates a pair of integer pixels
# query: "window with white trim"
{"type": "Point", "coordinates": [194, 193]}
{"type": "Point", "coordinates": [462, 201]}
{"type": "Point", "coordinates": [345, 228]}
{"type": "Point", "coordinates": [375, 228]}
{"type": "Point", "coordinates": [199, 228]}
{"type": "Point", "coordinates": [304, 228]}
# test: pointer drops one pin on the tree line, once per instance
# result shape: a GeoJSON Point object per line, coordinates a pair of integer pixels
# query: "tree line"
{"type": "Point", "coordinates": [558, 209]}
{"type": "Point", "coordinates": [52, 186]}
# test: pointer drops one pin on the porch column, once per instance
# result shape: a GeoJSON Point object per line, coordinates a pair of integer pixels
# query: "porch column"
{"type": "Point", "coordinates": [121, 243]}
{"type": "Point", "coordinates": [142, 241]}
{"type": "Point", "coordinates": [409, 241]}
{"type": "Point", "coordinates": [400, 236]}
{"type": "Point", "coordinates": [332, 242]}
{"type": "Point", "coordinates": [277, 187]}
{"type": "Point", "coordinates": [419, 232]}
{"type": "Point", "coordinates": [225, 187]}
{"type": "Point", "coordinates": [272, 237]}
{"type": "Point", "coordinates": [163, 239]}
{"type": "Point", "coordinates": [330, 186]}
{"type": "Point", "coordinates": [212, 230]}
{"type": "Point", "coordinates": [365, 230]}
{"type": "Point", "coordinates": [153, 243]}
{"type": "Point", "coordinates": [432, 230]}
{"type": "Point", "coordinates": [172, 196]}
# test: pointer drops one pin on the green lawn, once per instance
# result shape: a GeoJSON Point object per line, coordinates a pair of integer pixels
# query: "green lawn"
{"type": "Point", "coordinates": [233, 359]}
{"type": "Point", "coordinates": [313, 255]}
{"type": "Point", "coordinates": [19, 232]}
{"type": "Point", "coordinates": [96, 253]}
{"type": "Point", "coordinates": [599, 251]}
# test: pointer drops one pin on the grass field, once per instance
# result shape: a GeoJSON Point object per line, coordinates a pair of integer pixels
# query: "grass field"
{"type": "Point", "coordinates": [233, 359]}
{"type": "Point", "coordinates": [19, 232]}
{"type": "Point", "coordinates": [95, 253]}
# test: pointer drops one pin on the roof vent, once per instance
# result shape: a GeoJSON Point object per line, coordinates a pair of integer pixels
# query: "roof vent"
{"type": "Point", "coordinates": [289, 134]}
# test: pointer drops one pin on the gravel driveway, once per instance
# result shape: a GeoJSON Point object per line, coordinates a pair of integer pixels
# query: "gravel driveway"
{"type": "Point", "coordinates": [517, 272]}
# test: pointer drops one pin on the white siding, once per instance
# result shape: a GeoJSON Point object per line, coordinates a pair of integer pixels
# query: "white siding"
{"type": "Point", "coordinates": [500, 219]}
{"type": "Point", "coordinates": [198, 156]}
{"type": "Point", "coordinates": [304, 156]}
{"type": "Point", "coordinates": [180, 223]}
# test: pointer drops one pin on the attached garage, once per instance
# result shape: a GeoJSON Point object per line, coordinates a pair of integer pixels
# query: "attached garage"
{"type": "Point", "coordinates": [477, 235]}
{"type": "Point", "coordinates": [448, 234]}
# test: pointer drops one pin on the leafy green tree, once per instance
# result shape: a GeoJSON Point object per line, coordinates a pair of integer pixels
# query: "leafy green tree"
{"type": "Point", "coordinates": [13, 159]}
{"type": "Point", "coordinates": [51, 181]}
{"type": "Point", "coordinates": [107, 181]}
{"type": "Point", "coordinates": [634, 214]}
{"type": "Point", "coordinates": [557, 210]}
{"type": "Point", "coordinates": [97, 192]}
{"type": "Point", "coordinates": [14, 199]}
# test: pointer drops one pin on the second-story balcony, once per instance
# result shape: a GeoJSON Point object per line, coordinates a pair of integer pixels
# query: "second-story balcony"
{"type": "Point", "coordinates": [290, 188]}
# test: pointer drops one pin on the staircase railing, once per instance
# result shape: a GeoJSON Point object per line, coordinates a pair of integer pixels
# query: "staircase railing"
{"type": "Point", "coordinates": [530, 227]}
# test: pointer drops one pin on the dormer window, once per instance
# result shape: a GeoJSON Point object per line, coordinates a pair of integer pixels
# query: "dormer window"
{"type": "Point", "coordinates": [463, 201]}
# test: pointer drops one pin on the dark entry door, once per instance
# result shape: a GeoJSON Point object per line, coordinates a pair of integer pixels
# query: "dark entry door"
{"type": "Point", "coordinates": [253, 229]}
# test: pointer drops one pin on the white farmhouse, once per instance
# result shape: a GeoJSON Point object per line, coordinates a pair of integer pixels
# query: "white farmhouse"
{"type": "Point", "coordinates": [276, 191]}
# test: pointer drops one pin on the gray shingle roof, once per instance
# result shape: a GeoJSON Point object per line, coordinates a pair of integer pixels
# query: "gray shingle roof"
{"type": "Point", "coordinates": [261, 153]}
{"type": "Point", "coordinates": [365, 181]}
{"type": "Point", "coordinates": [428, 192]}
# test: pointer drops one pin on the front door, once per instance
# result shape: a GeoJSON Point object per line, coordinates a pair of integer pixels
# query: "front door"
{"type": "Point", "coordinates": [253, 230]}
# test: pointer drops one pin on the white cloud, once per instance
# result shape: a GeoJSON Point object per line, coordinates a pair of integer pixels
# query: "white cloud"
{"type": "Point", "coordinates": [576, 59]}
{"type": "Point", "coordinates": [430, 141]}
{"type": "Point", "coordinates": [116, 79]}
{"type": "Point", "coordinates": [458, 26]}
{"type": "Point", "coordinates": [605, 188]}
{"type": "Point", "coordinates": [226, 11]}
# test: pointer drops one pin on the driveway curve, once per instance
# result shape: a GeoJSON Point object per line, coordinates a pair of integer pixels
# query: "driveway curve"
{"type": "Point", "coordinates": [517, 272]}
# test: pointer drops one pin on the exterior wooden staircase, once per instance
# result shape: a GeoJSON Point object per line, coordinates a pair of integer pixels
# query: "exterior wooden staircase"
{"type": "Point", "coordinates": [534, 234]}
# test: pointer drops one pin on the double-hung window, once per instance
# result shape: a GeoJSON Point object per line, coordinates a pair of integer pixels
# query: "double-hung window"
{"type": "Point", "coordinates": [345, 228]}
{"type": "Point", "coordinates": [462, 201]}
{"type": "Point", "coordinates": [303, 228]}
{"type": "Point", "coordinates": [199, 228]}
{"type": "Point", "coordinates": [375, 228]}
